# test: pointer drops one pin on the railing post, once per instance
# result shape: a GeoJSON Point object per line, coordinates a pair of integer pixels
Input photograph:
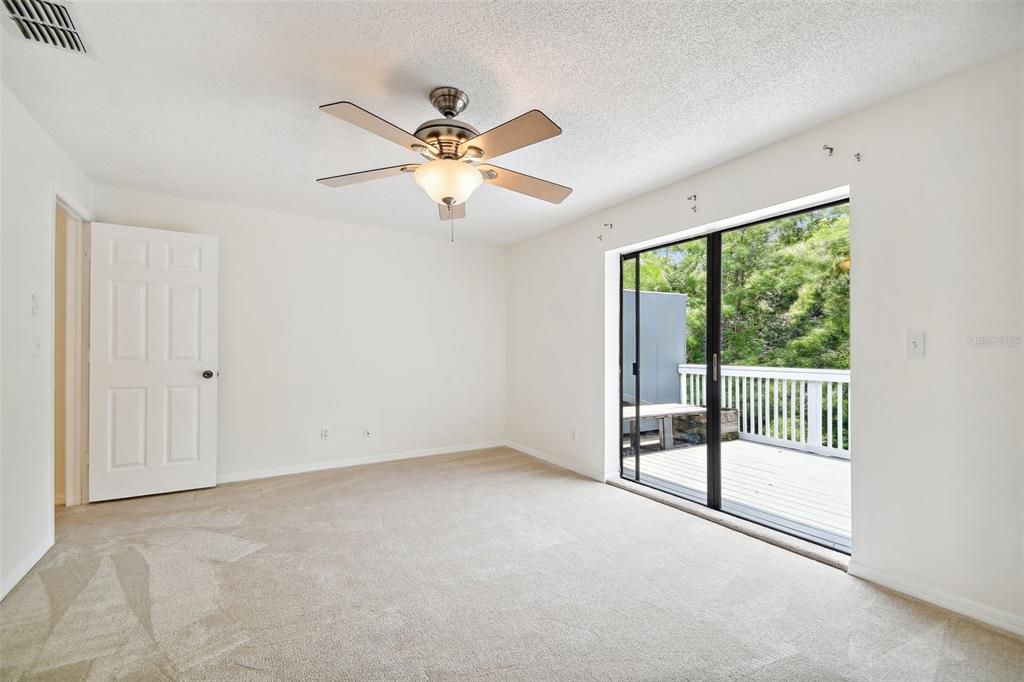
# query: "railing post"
{"type": "Point", "coordinates": [814, 414]}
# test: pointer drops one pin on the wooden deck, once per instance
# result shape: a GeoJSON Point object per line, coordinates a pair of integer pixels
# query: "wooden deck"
{"type": "Point", "coordinates": [805, 493]}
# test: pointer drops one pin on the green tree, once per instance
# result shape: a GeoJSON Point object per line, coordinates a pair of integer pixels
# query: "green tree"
{"type": "Point", "coordinates": [785, 290]}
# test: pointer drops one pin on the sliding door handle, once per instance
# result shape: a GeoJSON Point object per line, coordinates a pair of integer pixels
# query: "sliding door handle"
{"type": "Point", "coordinates": [714, 367]}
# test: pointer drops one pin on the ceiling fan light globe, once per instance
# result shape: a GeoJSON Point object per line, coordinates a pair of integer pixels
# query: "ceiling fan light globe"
{"type": "Point", "coordinates": [448, 179]}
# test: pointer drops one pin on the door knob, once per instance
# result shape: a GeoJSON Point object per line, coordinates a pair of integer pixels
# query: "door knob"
{"type": "Point", "coordinates": [208, 373]}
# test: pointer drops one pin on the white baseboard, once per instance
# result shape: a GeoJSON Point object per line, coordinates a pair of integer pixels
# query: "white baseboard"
{"type": "Point", "coordinates": [557, 461]}
{"type": "Point", "coordinates": [23, 567]}
{"type": "Point", "coordinates": [394, 456]}
{"type": "Point", "coordinates": [1004, 620]}
{"type": "Point", "coordinates": [352, 461]}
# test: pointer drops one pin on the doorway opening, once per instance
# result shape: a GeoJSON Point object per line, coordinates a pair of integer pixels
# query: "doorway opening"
{"type": "Point", "coordinates": [70, 362]}
{"type": "Point", "coordinates": [735, 371]}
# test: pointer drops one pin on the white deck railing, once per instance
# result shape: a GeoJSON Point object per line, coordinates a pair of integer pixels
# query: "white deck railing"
{"type": "Point", "coordinates": [802, 409]}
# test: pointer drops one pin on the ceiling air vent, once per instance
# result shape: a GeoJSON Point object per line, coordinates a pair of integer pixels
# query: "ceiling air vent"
{"type": "Point", "coordinates": [45, 22]}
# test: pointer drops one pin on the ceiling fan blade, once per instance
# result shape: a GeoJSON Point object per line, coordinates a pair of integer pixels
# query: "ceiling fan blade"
{"type": "Point", "coordinates": [358, 116]}
{"type": "Point", "coordinates": [363, 176]}
{"type": "Point", "coordinates": [524, 184]}
{"type": "Point", "coordinates": [522, 131]}
{"type": "Point", "coordinates": [455, 213]}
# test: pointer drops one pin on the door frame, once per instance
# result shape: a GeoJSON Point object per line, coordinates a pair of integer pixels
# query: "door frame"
{"type": "Point", "coordinates": [712, 233]}
{"type": "Point", "coordinates": [713, 386]}
{"type": "Point", "coordinates": [634, 441]}
{"type": "Point", "coordinates": [76, 317]}
{"type": "Point", "coordinates": [713, 472]}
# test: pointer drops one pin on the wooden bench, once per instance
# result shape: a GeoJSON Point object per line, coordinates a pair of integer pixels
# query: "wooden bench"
{"type": "Point", "coordinates": [694, 417]}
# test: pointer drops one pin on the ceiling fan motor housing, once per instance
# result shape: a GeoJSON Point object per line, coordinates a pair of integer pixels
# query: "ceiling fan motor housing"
{"type": "Point", "coordinates": [446, 134]}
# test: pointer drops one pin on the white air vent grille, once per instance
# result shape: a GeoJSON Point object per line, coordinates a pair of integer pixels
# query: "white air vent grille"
{"type": "Point", "coordinates": [45, 22]}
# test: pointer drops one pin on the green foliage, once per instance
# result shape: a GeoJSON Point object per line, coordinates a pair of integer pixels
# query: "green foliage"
{"type": "Point", "coordinates": [785, 291]}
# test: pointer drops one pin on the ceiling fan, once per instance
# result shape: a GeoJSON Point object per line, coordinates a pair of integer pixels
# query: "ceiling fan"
{"type": "Point", "coordinates": [458, 156]}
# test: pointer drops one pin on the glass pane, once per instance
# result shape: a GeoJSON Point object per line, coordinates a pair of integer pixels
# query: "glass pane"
{"type": "Point", "coordinates": [785, 375]}
{"type": "Point", "coordinates": [672, 429]}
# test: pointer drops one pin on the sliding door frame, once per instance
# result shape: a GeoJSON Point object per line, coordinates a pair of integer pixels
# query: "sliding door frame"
{"type": "Point", "coordinates": [713, 343]}
{"type": "Point", "coordinates": [634, 432]}
{"type": "Point", "coordinates": [713, 472]}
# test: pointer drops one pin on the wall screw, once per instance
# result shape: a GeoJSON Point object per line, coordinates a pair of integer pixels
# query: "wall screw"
{"type": "Point", "coordinates": [857, 156]}
{"type": "Point", "coordinates": [828, 149]}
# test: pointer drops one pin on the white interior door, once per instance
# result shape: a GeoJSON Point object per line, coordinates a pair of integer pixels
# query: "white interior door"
{"type": "Point", "coordinates": [153, 362]}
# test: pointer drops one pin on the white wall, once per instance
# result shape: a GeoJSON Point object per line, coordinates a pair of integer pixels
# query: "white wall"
{"type": "Point", "coordinates": [329, 324]}
{"type": "Point", "coordinates": [937, 239]}
{"type": "Point", "coordinates": [33, 168]}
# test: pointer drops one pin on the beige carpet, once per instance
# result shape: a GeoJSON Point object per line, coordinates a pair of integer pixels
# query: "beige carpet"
{"type": "Point", "coordinates": [487, 566]}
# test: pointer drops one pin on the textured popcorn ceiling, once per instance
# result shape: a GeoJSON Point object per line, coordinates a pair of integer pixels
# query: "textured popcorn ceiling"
{"type": "Point", "coordinates": [219, 101]}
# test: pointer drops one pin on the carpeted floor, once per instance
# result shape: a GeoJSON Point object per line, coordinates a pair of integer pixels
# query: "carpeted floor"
{"type": "Point", "coordinates": [485, 566]}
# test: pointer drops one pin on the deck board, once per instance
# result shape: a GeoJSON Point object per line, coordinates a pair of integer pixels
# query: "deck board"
{"type": "Point", "coordinates": [809, 489]}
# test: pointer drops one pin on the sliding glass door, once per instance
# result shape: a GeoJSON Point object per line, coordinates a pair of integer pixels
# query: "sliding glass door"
{"type": "Point", "coordinates": [665, 429]}
{"type": "Point", "coordinates": [736, 377]}
{"type": "Point", "coordinates": [785, 374]}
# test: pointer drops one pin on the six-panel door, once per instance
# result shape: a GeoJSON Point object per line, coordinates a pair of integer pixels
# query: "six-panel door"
{"type": "Point", "coordinates": [153, 333]}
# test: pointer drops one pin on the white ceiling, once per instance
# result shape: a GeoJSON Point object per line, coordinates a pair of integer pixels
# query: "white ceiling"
{"type": "Point", "coordinates": [219, 101]}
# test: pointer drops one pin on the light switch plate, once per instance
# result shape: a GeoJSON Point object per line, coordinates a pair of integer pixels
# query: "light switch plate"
{"type": "Point", "coordinates": [915, 344]}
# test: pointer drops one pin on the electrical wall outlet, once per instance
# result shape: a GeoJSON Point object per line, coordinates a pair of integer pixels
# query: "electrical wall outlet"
{"type": "Point", "coordinates": [324, 433]}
